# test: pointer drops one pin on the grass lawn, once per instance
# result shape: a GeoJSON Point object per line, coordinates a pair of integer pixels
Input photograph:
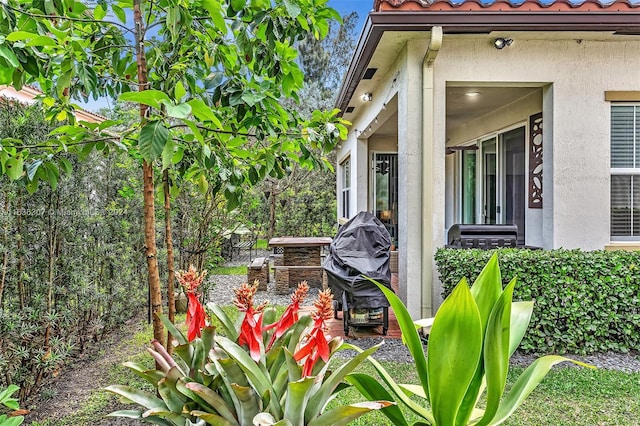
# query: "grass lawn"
{"type": "Point", "coordinates": [567, 396]}
{"type": "Point", "coordinates": [229, 270]}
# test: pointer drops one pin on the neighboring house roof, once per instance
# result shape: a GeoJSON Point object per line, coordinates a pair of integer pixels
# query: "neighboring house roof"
{"type": "Point", "coordinates": [28, 95]}
{"type": "Point", "coordinates": [476, 17]}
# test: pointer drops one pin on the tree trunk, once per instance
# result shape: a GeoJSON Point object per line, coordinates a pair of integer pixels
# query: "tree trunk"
{"type": "Point", "coordinates": [272, 212]}
{"type": "Point", "coordinates": [170, 262]}
{"type": "Point", "coordinates": [155, 294]}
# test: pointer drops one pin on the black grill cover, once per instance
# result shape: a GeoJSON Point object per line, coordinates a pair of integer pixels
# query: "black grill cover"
{"type": "Point", "coordinates": [361, 247]}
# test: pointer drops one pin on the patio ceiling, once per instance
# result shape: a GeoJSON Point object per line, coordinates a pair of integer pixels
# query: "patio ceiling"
{"type": "Point", "coordinates": [461, 108]}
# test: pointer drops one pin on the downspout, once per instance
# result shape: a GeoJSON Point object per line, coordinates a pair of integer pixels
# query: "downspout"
{"type": "Point", "coordinates": [427, 171]}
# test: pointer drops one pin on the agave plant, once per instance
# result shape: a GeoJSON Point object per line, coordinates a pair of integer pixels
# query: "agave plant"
{"type": "Point", "coordinates": [249, 377]}
{"type": "Point", "coordinates": [473, 335]}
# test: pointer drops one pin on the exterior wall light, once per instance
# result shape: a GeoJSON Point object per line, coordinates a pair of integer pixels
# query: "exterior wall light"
{"type": "Point", "coordinates": [367, 97]}
{"type": "Point", "coordinates": [501, 43]}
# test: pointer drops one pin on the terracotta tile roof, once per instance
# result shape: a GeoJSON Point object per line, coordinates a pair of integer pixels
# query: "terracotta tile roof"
{"type": "Point", "coordinates": [507, 6]}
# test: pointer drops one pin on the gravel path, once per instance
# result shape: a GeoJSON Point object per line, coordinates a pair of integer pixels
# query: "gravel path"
{"type": "Point", "coordinates": [393, 349]}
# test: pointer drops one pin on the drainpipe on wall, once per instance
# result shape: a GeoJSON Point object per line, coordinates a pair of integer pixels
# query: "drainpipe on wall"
{"type": "Point", "coordinates": [427, 170]}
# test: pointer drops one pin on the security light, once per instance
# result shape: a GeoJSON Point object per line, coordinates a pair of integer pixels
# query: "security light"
{"type": "Point", "coordinates": [367, 97]}
{"type": "Point", "coordinates": [501, 43]}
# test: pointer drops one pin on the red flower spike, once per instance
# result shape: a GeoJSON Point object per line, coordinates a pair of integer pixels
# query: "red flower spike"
{"type": "Point", "coordinates": [315, 345]}
{"type": "Point", "coordinates": [290, 315]}
{"type": "Point", "coordinates": [251, 327]}
{"type": "Point", "coordinates": [196, 316]}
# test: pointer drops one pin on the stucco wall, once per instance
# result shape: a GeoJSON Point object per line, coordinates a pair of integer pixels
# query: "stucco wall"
{"type": "Point", "coordinates": [577, 136]}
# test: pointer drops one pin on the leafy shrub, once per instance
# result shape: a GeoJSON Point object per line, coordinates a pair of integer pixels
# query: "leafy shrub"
{"type": "Point", "coordinates": [586, 302]}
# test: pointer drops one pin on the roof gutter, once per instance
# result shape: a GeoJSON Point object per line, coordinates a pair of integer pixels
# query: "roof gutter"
{"type": "Point", "coordinates": [428, 150]}
{"type": "Point", "coordinates": [462, 22]}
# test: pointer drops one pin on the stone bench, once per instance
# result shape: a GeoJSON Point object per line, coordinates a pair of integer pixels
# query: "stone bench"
{"type": "Point", "coordinates": [290, 276]}
{"type": "Point", "coordinates": [258, 270]}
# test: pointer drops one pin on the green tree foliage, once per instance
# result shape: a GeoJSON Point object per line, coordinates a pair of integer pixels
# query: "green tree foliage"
{"type": "Point", "coordinates": [303, 203]}
{"type": "Point", "coordinates": [209, 76]}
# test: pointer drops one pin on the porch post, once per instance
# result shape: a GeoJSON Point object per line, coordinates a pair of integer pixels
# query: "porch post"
{"type": "Point", "coordinates": [410, 176]}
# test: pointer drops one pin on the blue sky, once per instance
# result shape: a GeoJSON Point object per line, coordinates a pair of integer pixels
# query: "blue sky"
{"type": "Point", "coordinates": [363, 7]}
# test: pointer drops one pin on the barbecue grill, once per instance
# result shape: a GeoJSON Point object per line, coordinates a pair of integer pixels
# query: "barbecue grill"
{"type": "Point", "coordinates": [361, 248]}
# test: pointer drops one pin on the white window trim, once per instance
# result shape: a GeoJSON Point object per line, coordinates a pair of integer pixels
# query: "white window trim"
{"type": "Point", "coordinates": [624, 171]}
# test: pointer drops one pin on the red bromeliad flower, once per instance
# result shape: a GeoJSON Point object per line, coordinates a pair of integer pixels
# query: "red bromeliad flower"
{"type": "Point", "coordinates": [251, 328]}
{"type": "Point", "coordinates": [315, 345]}
{"type": "Point", "coordinates": [290, 315]}
{"type": "Point", "coordinates": [196, 317]}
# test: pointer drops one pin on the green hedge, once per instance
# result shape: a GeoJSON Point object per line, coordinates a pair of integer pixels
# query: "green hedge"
{"type": "Point", "coordinates": [585, 302]}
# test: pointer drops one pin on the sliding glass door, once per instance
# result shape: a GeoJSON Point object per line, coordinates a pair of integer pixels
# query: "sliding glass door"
{"type": "Point", "coordinates": [495, 177]}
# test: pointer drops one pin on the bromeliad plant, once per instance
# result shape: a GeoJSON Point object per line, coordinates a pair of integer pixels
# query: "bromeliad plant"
{"type": "Point", "coordinates": [473, 335]}
{"type": "Point", "coordinates": [263, 372]}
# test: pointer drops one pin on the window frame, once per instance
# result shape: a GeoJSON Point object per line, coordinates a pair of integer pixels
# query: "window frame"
{"type": "Point", "coordinates": [625, 171]}
{"type": "Point", "coordinates": [345, 187]}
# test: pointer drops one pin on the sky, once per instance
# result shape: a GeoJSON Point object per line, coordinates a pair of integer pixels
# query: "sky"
{"type": "Point", "coordinates": [363, 7]}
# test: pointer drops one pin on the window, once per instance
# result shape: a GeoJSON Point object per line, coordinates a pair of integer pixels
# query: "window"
{"type": "Point", "coordinates": [625, 172]}
{"type": "Point", "coordinates": [346, 186]}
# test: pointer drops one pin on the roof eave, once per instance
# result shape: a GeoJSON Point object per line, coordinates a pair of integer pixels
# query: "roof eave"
{"type": "Point", "coordinates": [474, 22]}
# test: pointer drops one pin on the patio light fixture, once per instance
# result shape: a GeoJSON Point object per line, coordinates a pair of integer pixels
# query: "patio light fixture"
{"type": "Point", "coordinates": [501, 43]}
{"type": "Point", "coordinates": [367, 97]}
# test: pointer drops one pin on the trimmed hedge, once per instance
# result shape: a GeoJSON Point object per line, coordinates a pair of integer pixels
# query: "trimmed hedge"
{"type": "Point", "coordinates": [585, 302]}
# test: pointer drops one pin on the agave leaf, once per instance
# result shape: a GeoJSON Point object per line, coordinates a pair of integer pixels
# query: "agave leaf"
{"type": "Point", "coordinates": [142, 398]}
{"type": "Point", "coordinates": [230, 329]}
{"type": "Point", "coordinates": [343, 415]}
{"type": "Point", "coordinates": [173, 330]}
{"type": "Point", "coordinates": [371, 389]}
{"type": "Point", "coordinates": [526, 383]}
{"type": "Point", "coordinates": [213, 419]}
{"type": "Point", "coordinates": [520, 316]}
{"type": "Point", "coordinates": [320, 398]}
{"type": "Point", "coordinates": [410, 389]}
{"type": "Point", "coordinates": [296, 400]}
{"type": "Point", "coordinates": [409, 334]}
{"type": "Point", "coordinates": [454, 350]}
{"type": "Point", "coordinates": [395, 388]}
{"type": "Point", "coordinates": [496, 351]}
{"type": "Point", "coordinates": [151, 376]}
{"type": "Point", "coordinates": [250, 403]}
{"type": "Point", "coordinates": [487, 288]}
